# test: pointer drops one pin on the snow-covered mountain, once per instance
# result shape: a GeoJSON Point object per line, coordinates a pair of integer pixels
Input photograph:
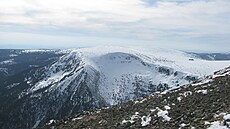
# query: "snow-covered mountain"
{"type": "Point", "coordinates": [203, 104]}
{"type": "Point", "coordinates": [121, 74]}
{"type": "Point", "coordinates": [88, 78]}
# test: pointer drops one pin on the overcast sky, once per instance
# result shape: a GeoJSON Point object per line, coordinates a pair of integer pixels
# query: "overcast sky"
{"type": "Point", "coordinates": [202, 25]}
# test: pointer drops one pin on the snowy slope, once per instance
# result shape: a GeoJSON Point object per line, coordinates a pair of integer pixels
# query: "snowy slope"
{"type": "Point", "coordinates": [204, 104]}
{"type": "Point", "coordinates": [125, 73]}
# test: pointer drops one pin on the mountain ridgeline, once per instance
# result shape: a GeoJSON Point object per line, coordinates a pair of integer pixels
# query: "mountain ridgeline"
{"type": "Point", "coordinates": [39, 85]}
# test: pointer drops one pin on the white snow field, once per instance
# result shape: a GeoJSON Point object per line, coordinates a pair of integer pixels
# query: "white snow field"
{"type": "Point", "coordinates": [119, 69]}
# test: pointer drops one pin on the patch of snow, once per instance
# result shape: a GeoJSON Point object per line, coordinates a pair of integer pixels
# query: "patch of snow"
{"type": "Point", "coordinates": [136, 102]}
{"type": "Point", "coordinates": [220, 124]}
{"type": "Point", "coordinates": [202, 91]}
{"type": "Point", "coordinates": [222, 75]}
{"type": "Point", "coordinates": [33, 66]}
{"type": "Point", "coordinates": [163, 114]}
{"type": "Point", "coordinates": [172, 89]}
{"type": "Point", "coordinates": [167, 107]}
{"type": "Point", "coordinates": [187, 93]}
{"type": "Point", "coordinates": [136, 113]}
{"type": "Point", "coordinates": [8, 62]}
{"type": "Point", "coordinates": [37, 123]}
{"type": "Point", "coordinates": [124, 121]}
{"type": "Point", "coordinates": [145, 120]}
{"type": "Point", "coordinates": [51, 122]}
{"type": "Point", "coordinates": [12, 85]}
{"type": "Point", "coordinates": [219, 115]}
{"type": "Point", "coordinates": [205, 81]}
{"type": "Point", "coordinates": [223, 72]}
{"type": "Point", "coordinates": [13, 55]}
{"type": "Point", "coordinates": [28, 82]}
{"type": "Point", "coordinates": [164, 92]}
{"type": "Point", "coordinates": [183, 125]}
{"type": "Point", "coordinates": [227, 117]}
{"type": "Point", "coordinates": [36, 51]}
{"type": "Point", "coordinates": [102, 121]}
{"type": "Point", "coordinates": [5, 70]}
{"type": "Point", "coordinates": [143, 100]}
{"type": "Point", "coordinates": [132, 118]}
{"type": "Point", "coordinates": [207, 123]}
{"type": "Point", "coordinates": [217, 125]}
{"type": "Point", "coordinates": [152, 110]}
{"type": "Point", "coordinates": [77, 118]}
{"type": "Point", "coordinates": [179, 98]}
{"type": "Point", "coordinates": [105, 107]}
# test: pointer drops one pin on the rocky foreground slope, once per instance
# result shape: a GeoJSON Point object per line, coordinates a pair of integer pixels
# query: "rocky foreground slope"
{"type": "Point", "coordinates": [203, 104]}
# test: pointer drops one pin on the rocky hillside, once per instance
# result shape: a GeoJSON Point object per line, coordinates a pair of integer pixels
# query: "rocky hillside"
{"type": "Point", "coordinates": [202, 104]}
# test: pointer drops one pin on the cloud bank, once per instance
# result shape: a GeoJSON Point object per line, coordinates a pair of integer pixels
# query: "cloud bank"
{"type": "Point", "coordinates": [173, 23]}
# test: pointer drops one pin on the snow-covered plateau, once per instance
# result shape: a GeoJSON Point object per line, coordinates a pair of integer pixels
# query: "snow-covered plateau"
{"type": "Point", "coordinates": [119, 74]}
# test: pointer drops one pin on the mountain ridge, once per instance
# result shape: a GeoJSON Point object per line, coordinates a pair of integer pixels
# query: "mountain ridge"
{"type": "Point", "coordinates": [90, 78]}
{"type": "Point", "coordinates": [202, 104]}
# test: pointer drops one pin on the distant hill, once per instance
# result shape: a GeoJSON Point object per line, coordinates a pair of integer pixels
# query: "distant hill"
{"type": "Point", "coordinates": [213, 56]}
{"type": "Point", "coordinates": [13, 61]}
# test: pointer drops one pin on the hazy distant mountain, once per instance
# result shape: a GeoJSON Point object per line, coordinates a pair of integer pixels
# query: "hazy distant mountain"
{"type": "Point", "coordinates": [39, 85]}
{"type": "Point", "coordinates": [213, 56]}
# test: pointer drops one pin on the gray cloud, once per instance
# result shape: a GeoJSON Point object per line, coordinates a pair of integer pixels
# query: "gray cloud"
{"type": "Point", "coordinates": [141, 20]}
